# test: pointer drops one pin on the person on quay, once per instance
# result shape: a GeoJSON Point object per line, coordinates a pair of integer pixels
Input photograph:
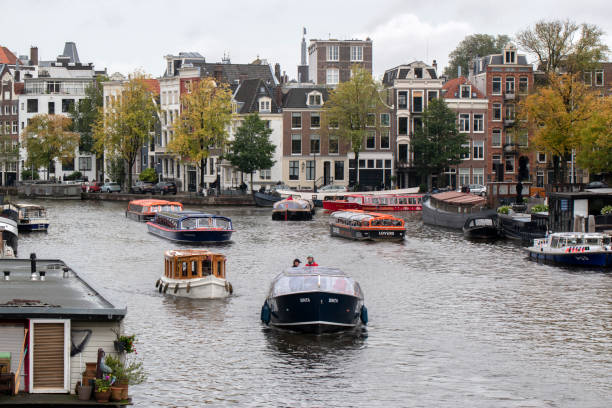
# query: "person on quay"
{"type": "Point", "coordinates": [310, 261]}
{"type": "Point", "coordinates": [296, 263]}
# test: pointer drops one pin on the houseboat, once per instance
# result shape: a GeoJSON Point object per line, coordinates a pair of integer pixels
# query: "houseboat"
{"type": "Point", "coordinates": [194, 273]}
{"type": "Point", "coordinates": [573, 248]}
{"type": "Point", "coordinates": [52, 325]}
{"type": "Point", "coordinates": [523, 227]}
{"type": "Point", "coordinates": [32, 217]}
{"type": "Point", "coordinates": [292, 209]}
{"type": "Point", "coordinates": [481, 227]}
{"type": "Point", "coordinates": [451, 209]}
{"type": "Point", "coordinates": [363, 225]}
{"type": "Point", "coordinates": [314, 299]}
{"type": "Point", "coordinates": [145, 210]}
{"type": "Point", "coordinates": [191, 226]}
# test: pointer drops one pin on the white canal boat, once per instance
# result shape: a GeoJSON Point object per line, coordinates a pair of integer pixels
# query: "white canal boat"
{"type": "Point", "coordinates": [573, 248]}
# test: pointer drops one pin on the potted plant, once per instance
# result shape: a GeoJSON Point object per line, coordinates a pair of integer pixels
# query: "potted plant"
{"type": "Point", "coordinates": [124, 343]}
{"type": "Point", "coordinates": [127, 370]}
{"type": "Point", "coordinates": [103, 388]}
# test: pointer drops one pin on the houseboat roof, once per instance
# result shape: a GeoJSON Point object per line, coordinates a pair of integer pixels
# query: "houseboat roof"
{"type": "Point", "coordinates": [588, 193]}
{"type": "Point", "coordinates": [180, 253]}
{"type": "Point", "coordinates": [149, 201]}
{"type": "Point", "coordinates": [458, 198]}
{"type": "Point", "coordinates": [179, 215]}
{"type": "Point", "coordinates": [62, 293]}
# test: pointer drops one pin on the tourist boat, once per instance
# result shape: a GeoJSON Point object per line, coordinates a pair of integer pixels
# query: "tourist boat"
{"type": "Point", "coordinates": [31, 217]}
{"type": "Point", "coordinates": [451, 209]}
{"type": "Point", "coordinates": [320, 197]}
{"type": "Point", "coordinates": [194, 273]}
{"type": "Point", "coordinates": [392, 202]}
{"type": "Point", "coordinates": [348, 202]}
{"type": "Point", "coordinates": [314, 299]}
{"type": "Point", "coordinates": [144, 210]}
{"type": "Point", "coordinates": [481, 227]}
{"type": "Point", "coordinates": [191, 226]}
{"type": "Point", "coordinates": [292, 209]}
{"type": "Point", "coordinates": [10, 236]}
{"type": "Point", "coordinates": [573, 248]}
{"type": "Point", "coordinates": [363, 225]}
{"type": "Point", "coordinates": [523, 227]}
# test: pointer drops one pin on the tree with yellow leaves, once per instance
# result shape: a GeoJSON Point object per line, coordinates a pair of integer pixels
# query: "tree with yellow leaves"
{"type": "Point", "coordinates": [595, 153]}
{"type": "Point", "coordinates": [202, 125]}
{"type": "Point", "coordinates": [46, 138]}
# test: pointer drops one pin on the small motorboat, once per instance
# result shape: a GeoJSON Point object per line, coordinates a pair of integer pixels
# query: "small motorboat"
{"type": "Point", "coordinates": [573, 248]}
{"type": "Point", "coordinates": [266, 198]}
{"type": "Point", "coordinates": [314, 300]}
{"type": "Point", "coordinates": [294, 209]}
{"type": "Point", "coordinates": [144, 210]}
{"type": "Point", "coordinates": [191, 226]}
{"type": "Point", "coordinates": [194, 273]}
{"type": "Point", "coordinates": [481, 227]}
{"type": "Point", "coordinates": [363, 225]}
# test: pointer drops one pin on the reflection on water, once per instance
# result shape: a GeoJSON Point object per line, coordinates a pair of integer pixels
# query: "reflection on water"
{"type": "Point", "coordinates": [452, 322]}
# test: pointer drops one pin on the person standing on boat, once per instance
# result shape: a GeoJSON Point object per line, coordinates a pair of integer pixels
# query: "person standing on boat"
{"type": "Point", "coordinates": [311, 261]}
{"type": "Point", "coordinates": [296, 263]}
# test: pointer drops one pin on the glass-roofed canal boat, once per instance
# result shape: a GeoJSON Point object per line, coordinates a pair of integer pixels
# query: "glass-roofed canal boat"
{"type": "Point", "coordinates": [144, 210]}
{"type": "Point", "coordinates": [314, 300]}
{"type": "Point", "coordinates": [191, 226]}
{"type": "Point", "coordinates": [364, 225]}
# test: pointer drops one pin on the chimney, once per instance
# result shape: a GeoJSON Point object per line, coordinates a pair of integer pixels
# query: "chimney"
{"type": "Point", "coordinates": [435, 65]}
{"type": "Point", "coordinates": [33, 55]}
{"type": "Point", "coordinates": [218, 73]}
{"type": "Point", "coordinates": [277, 72]}
{"type": "Point", "coordinates": [458, 71]}
{"type": "Point", "coordinates": [278, 95]}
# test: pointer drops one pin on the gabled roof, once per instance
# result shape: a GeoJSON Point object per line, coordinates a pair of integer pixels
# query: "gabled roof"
{"type": "Point", "coordinates": [296, 97]}
{"type": "Point", "coordinates": [248, 94]}
{"type": "Point", "coordinates": [234, 73]}
{"type": "Point", "coordinates": [406, 71]}
{"type": "Point", "coordinates": [452, 88]}
{"type": "Point", "coordinates": [7, 57]}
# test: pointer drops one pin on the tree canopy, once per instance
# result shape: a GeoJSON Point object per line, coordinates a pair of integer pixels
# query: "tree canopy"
{"type": "Point", "coordinates": [352, 109]}
{"type": "Point", "coordinates": [595, 153]}
{"type": "Point", "coordinates": [86, 111]}
{"type": "Point", "coordinates": [126, 124]}
{"type": "Point", "coordinates": [251, 148]}
{"type": "Point", "coordinates": [202, 125]}
{"type": "Point", "coordinates": [564, 46]}
{"type": "Point", "coordinates": [48, 137]}
{"type": "Point", "coordinates": [438, 143]}
{"type": "Point", "coordinates": [472, 46]}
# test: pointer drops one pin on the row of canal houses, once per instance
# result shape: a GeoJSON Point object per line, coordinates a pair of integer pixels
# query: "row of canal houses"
{"type": "Point", "coordinates": [306, 155]}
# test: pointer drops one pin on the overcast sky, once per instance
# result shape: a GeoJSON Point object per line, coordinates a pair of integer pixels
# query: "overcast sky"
{"type": "Point", "coordinates": [127, 35]}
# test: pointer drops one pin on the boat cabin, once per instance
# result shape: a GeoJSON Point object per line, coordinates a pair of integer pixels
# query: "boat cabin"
{"type": "Point", "coordinates": [311, 279]}
{"type": "Point", "coordinates": [31, 211]}
{"type": "Point", "coordinates": [579, 239]}
{"type": "Point", "coordinates": [146, 209]}
{"type": "Point", "coordinates": [192, 220]}
{"type": "Point", "coordinates": [358, 218]}
{"type": "Point", "coordinates": [193, 263]}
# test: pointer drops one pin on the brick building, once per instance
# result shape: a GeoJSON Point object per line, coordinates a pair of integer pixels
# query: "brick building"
{"type": "Point", "coordinates": [330, 61]}
{"type": "Point", "coordinates": [9, 120]}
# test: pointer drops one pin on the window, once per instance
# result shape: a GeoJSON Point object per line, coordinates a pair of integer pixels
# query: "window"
{"type": "Point", "coordinates": [497, 85]}
{"type": "Point", "coordinates": [509, 137]}
{"type": "Point", "coordinates": [67, 164]}
{"type": "Point", "coordinates": [356, 53]}
{"type": "Point", "coordinates": [466, 90]}
{"type": "Point", "coordinates": [66, 104]}
{"type": "Point", "coordinates": [332, 52]}
{"type": "Point", "coordinates": [314, 99]}
{"type": "Point", "coordinates": [332, 76]}
{"type": "Point", "coordinates": [588, 78]}
{"type": "Point", "coordinates": [371, 139]}
{"type": "Point", "coordinates": [333, 144]}
{"type": "Point", "coordinates": [370, 164]}
{"type": "Point", "coordinates": [541, 157]}
{"type": "Point", "coordinates": [418, 73]}
{"type": "Point", "coordinates": [478, 175]}
{"type": "Point", "coordinates": [296, 120]}
{"type": "Point", "coordinates": [417, 124]}
{"type": "Point", "coordinates": [540, 179]}
{"type": "Point", "coordinates": [464, 122]}
{"type": "Point", "coordinates": [465, 154]}
{"type": "Point", "coordinates": [310, 169]}
{"type": "Point", "coordinates": [15, 126]}
{"type": "Point", "coordinates": [402, 100]}
{"type": "Point", "coordinates": [32, 105]}
{"type": "Point", "coordinates": [510, 85]}
{"type": "Point", "coordinates": [294, 170]}
{"type": "Point", "coordinates": [384, 119]}
{"type": "Point", "coordinates": [188, 86]}
{"type": "Point", "coordinates": [6, 109]}
{"type": "Point", "coordinates": [402, 127]}
{"type": "Point", "coordinates": [496, 138]}
{"type": "Point", "coordinates": [51, 108]}
{"type": "Point", "coordinates": [265, 174]}
{"type": "Point", "coordinates": [53, 87]}
{"type": "Point", "coordinates": [315, 120]}
{"type": "Point", "coordinates": [478, 122]}
{"type": "Point", "coordinates": [14, 109]}
{"type": "Point", "coordinates": [264, 105]}
{"type": "Point", "coordinates": [523, 138]}
{"type": "Point", "coordinates": [464, 176]}
{"type": "Point", "coordinates": [402, 155]}
{"type": "Point", "coordinates": [315, 144]}
{"type": "Point", "coordinates": [371, 120]}
{"type": "Point", "coordinates": [510, 57]}
{"type": "Point", "coordinates": [509, 164]}
{"type": "Point", "coordinates": [384, 139]}
{"type": "Point", "coordinates": [339, 170]}
{"type": "Point", "coordinates": [417, 101]}
{"type": "Point", "coordinates": [497, 111]}
{"type": "Point", "coordinates": [84, 163]}
{"type": "Point", "coordinates": [523, 85]}
{"type": "Point", "coordinates": [478, 149]}
{"type": "Point", "coordinates": [509, 111]}
{"type": "Point", "coordinates": [599, 78]}
{"type": "Point", "coordinates": [431, 95]}
{"type": "Point", "coordinates": [296, 144]}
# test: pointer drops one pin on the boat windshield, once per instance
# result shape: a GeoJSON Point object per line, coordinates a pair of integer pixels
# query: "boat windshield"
{"type": "Point", "coordinates": [482, 222]}
{"type": "Point", "coordinates": [307, 283]}
{"type": "Point", "coordinates": [222, 223]}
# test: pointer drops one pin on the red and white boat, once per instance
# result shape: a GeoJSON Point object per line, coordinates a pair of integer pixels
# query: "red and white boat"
{"type": "Point", "coordinates": [369, 202]}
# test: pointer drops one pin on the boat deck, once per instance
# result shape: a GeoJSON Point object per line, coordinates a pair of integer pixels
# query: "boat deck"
{"type": "Point", "coordinates": [55, 400]}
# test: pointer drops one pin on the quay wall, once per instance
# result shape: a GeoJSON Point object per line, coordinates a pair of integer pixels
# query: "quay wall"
{"type": "Point", "coordinates": [238, 200]}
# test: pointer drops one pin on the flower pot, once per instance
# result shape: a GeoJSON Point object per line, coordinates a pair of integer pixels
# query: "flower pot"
{"type": "Point", "coordinates": [119, 346]}
{"type": "Point", "coordinates": [102, 396]}
{"type": "Point", "coordinates": [124, 392]}
{"type": "Point", "coordinates": [84, 392]}
{"type": "Point", "coordinates": [116, 393]}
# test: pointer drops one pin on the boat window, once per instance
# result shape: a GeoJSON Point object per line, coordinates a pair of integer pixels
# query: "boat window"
{"type": "Point", "coordinates": [220, 269]}
{"type": "Point", "coordinates": [412, 200]}
{"type": "Point", "coordinates": [402, 200]}
{"type": "Point", "coordinates": [592, 240]}
{"type": "Point", "coordinates": [189, 223]}
{"type": "Point", "coordinates": [223, 223]}
{"type": "Point", "coordinates": [337, 284]}
{"type": "Point", "coordinates": [194, 268]}
{"type": "Point", "coordinates": [185, 269]}
{"type": "Point", "coordinates": [206, 267]}
{"type": "Point", "coordinates": [554, 242]}
{"type": "Point", "coordinates": [483, 222]}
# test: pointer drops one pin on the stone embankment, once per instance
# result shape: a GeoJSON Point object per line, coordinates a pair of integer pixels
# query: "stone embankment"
{"type": "Point", "coordinates": [187, 199]}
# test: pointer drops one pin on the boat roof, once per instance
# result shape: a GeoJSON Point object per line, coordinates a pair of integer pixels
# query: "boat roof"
{"type": "Point", "coordinates": [180, 253]}
{"type": "Point", "coordinates": [27, 206]}
{"type": "Point", "coordinates": [151, 201]}
{"type": "Point", "coordinates": [580, 234]}
{"type": "Point", "coordinates": [456, 197]}
{"type": "Point", "coordinates": [361, 215]}
{"type": "Point", "coordinates": [56, 296]}
{"type": "Point", "coordinates": [189, 213]}
{"type": "Point", "coordinates": [312, 270]}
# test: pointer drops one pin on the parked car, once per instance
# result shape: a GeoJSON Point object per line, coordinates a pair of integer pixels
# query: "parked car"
{"type": "Point", "coordinates": [477, 189]}
{"type": "Point", "coordinates": [93, 187]}
{"type": "Point", "coordinates": [111, 187]}
{"type": "Point", "coordinates": [165, 187]}
{"type": "Point", "coordinates": [597, 184]}
{"type": "Point", "coordinates": [142, 187]}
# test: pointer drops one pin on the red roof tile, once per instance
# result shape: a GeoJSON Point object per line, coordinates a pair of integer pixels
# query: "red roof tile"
{"type": "Point", "coordinates": [452, 88]}
{"type": "Point", "coordinates": [7, 57]}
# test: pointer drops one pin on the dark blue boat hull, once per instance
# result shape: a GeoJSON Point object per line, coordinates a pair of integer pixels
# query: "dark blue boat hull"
{"type": "Point", "coordinates": [191, 235]}
{"type": "Point", "coordinates": [315, 312]}
{"type": "Point", "coordinates": [35, 226]}
{"type": "Point", "coordinates": [601, 259]}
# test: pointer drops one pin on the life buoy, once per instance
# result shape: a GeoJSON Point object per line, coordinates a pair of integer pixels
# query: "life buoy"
{"type": "Point", "coordinates": [265, 313]}
{"type": "Point", "coordinates": [364, 314]}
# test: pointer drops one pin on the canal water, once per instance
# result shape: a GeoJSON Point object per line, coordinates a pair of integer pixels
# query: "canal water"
{"type": "Point", "coordinates": [453, 323]}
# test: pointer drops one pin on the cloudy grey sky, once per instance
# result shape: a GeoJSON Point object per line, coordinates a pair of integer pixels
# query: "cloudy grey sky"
{"type": "Point", "coordinates": [127, 35]}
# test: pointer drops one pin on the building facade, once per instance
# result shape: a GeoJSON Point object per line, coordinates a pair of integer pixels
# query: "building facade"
{"type": "Point", "coordinates": [330, 61]}
{"type": "Point", "coordinates": [9, 126]}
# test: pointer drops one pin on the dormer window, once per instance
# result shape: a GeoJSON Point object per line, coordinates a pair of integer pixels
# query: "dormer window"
{"type": "Point", "coordinates": [264, 104]}
{"type": "Point", "coordinates": [510, 54]}
{"type": "Point", "coordinates": [314, 99]}
{"type": "Point", "coordinates": [418, 72]}
{"type": "Point", "coordinates": [466, 90]}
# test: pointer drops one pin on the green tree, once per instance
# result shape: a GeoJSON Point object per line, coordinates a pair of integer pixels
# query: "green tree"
{"type": "Point", "coordinates": [149, 174]}
{"type": "Point", "coordinates": [352, 109]}
{"type": "Point", "coordinates": [115, 167]}
{"type": "Point", "coordinates": [438, 143]}
{"type": "Point", "coordinates": [85, 113]}
{"type": "Point", "coordinates": [202, 125]}
{"type": "Point", "coordinates": [9, 148]}
{"type": "Point", "coordinates": [46, 138]}
{"type": "Point", "coordinates": [126, 125]}
{"type": "Point", "coordinates": [595, 152]}
{"type": "Point", "coordinates": [472, 46]}
{"type": "Point", "coordinates": [251, 149]}
{"type": "Point", "coordinates": [564, 46]}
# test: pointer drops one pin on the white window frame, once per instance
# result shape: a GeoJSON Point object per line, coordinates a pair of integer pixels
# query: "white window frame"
{"type": "Point", "coordinates": [588, 74]}
{"type": "Point", "coordinates": [265, 104]}
{"type": "Point", "coordinates": [314, 95]}
{"type": "Point", "coordinates": [337, 139]}
{"type": "Point", "coordinates": [464, 123]}
{"type": "Point", "coordinates": [495, 78]}
{"type": "Point", "coordinates": [388, 133]}
{"type": "Point", "coordinates": [479, 129]}
{"type": "Point", "coordinates": [467, 155]}
{"type": "Point", "coordinates": [493, 144]}
{"type": "Point", "coordinates": [382, 123]}
{"type": "Point", "coordinates": [369, 135]}
{"type": "Point", "coordinates": [332, 76]}
{"type": "Point", "coordinates": [464, 176]}
{"type": "Point", "coordinates": [478, 175]}
{"type": "Point", "coordinates": [294, 114]}
{"type": "Point", "coordinates": [463, 88]}
{"type": "Point", "coordinates": [356, 53]}
{"type": "Point", "coordinates": [66, 388]}
{"type": "Point", "coordinates": [541, 154]}
{"type": "Point", "coordinates": [506, 158]}
{"type": "Point", "coordinates": [315, 138]}
{"type": "Point", "coordinates": [501, 113]}
{"type": "Point", "coordinates": [301, 147]}
{"type": "Point", "coordinates": [521, 80]}
{"type": "Point", "coordinates": [510, 85]}
{"type": "Point", "coordinates": [597, 82]}
{"type": "Point", "coordinates": [333, 53]}
{"type": "Point", "coordinates": [478, 144]}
